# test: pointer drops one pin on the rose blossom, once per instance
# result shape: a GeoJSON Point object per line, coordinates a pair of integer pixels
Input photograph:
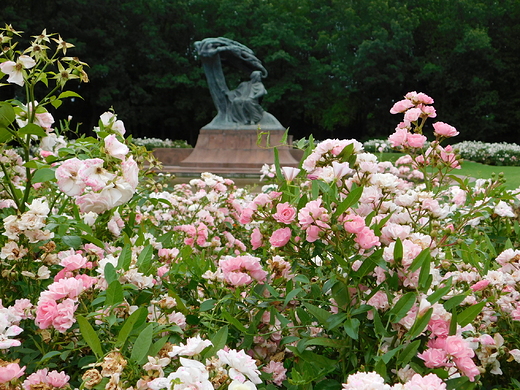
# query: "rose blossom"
{"type": "Point", "coordinates": [115, 148]}
{"type": "Point", "coordinates": [444, 130]}
{"type": "Point", "coordinates": [416, 140]}
{"type": "Point", "coordinates": [10, 371]}
{"type": "Point", "coordinates": [256, 238]}
{"type": "Point", "coordinates": [401, 106]}
{"type": "Point", "coordinates": [280, 237]}
{"type": "Point", "coordinates": [285, 213]}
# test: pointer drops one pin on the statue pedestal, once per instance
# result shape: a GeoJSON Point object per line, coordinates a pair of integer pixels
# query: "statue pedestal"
{"type": "Point", "coordinates": [237, 149]}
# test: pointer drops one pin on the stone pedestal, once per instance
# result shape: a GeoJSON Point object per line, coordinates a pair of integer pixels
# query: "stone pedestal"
{"type": "Point", "coordinates": [238, 149]}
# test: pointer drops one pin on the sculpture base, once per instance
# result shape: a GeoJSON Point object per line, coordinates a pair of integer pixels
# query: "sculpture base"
{"type": "Point", "coordinates": [237, 149]}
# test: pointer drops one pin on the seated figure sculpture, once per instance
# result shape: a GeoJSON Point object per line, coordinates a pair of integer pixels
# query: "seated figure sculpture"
{"type": "Point", "coordinates": [245, 100]}
{"type": "Point", "coordinates": [239, 108]}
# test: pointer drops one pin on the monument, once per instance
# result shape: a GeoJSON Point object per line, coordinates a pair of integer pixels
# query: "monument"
{"type": "Point", "coordinates": [230, 139]}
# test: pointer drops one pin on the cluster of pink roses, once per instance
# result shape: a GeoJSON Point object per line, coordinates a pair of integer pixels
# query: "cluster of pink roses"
{"type": "Point", "coordinates": [96, 188]}
{"type": "Point", "coordinates": [374, 381]}
{"type": "Point", "coordinates": [57, 305]}
{"type": "Point", "coordinates": [241, 270]}
{"type": "Point", "coordinates": [416, 106]}
{"type": "Point", "coordinates": [449, 351]}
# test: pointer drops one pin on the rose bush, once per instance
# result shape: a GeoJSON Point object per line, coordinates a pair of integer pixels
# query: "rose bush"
{"type": "Point", "coordinates": [351, 273]}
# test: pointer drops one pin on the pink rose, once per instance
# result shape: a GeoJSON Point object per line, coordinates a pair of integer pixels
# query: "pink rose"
{"type": "Point", "coordinates": [256, 238]}
{"type": "Point", "coordinates": [401, 106]}
{"type": "Point", "coordinates": [312, 233]}
{"type": "Point", "coordinates": [430, 381]}
{"type": "Point", "coordinates": [10, 371]}
{"type": "Point", "coordinates": [412, 115]}
{"type": "Point", "coordinates": [115, 148]}
{"type": "Point", "coordinates": [245, 215]}
{"type": "Point", "coordinates": [457, 347]}
{"type": "Point", "coordinates": [285, 213]}
{"type": "Point", "coordinates": [399, 137]}
{"type": "Point", "coordinates": [480, 285]}
{"type": "Point", "coordinates": [468, 367]}
{"type": "Point", "coordinates": [45, 313]}
{"type": "Point", "coordinates": [434, 358]}
{"type": "Point", "coordinates": [64, 318]}
{"type": "Point", "coordinates": [67, 175]}
{"type": "Point", "coordinates": [280, 237]}
{"type": "Point", "coordinates": [416, 140]}
{"type": "Point", "coordinates": [354, 224]}
{"type": "Point", "coordinates": [367, 239]}
{"type": "Point", "coordinates": [444, 130]}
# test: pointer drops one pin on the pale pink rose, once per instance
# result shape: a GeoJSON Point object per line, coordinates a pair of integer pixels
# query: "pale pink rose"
{"type": "Point", "coordinates": [115, 148]}
{"type": "Point", "coordinates": [401, 106]}
{"type": "Point", "coordinates": [46, 310]}
{"type": "Point", "coordinates": [412, 115]}
{"type": "Point", "coordinates": [365, 381]}
{"type": "Point", "coordinates": [44, 120]}
{"type": "Point", "coordinates": [428, 382]}
{"type": "Point", "coordinates": [194, 346]}
{"type": "Point", "coordinates": [439, 328]}
{"type": "Point", "coordinates": [312, 233]}
{"type": "Point", "coordinates": [445, 130]}
{"type": "Point", "coordinates": [486, 339]}
{"type": "Point", "coordinates": [311, 213]}
{"type": "Point", "coordinates": [130, 172]}
{"type": "Point", "coordinates": [64, 318]}
{"type": "Point", "coordinates": [237, 279]}
{"type": "Point", "coordinates": [280, 237]}
{"type": "Point", "coordinates": [457, 347]}
{"type": "Point", "coordinates": [240, 363]}
{"type": "Point", "coordinates": [379, 300]}
{"type": "Point", "coordinates": [67, 175]}
{"type": "Point", "coordinates": [10, 372]}
{"type": "Point", "coordinates": [399, 137]}
{"type": "Point", "coordinates": [44, 377]}
{"type": "Point", "coordinates": [367, 239]}
{"type": "Point", "coordinates": [468, 367]}
{"type": "Point", "coordinates": [354, 224]}
{"type": "Point", "coordinates": [434, 358]}
{"type": "Point", "coordinates": [285, 213]}
{"type": "Point", "coordinates": [480, 285]}
{"type": "Point", "coordinates": [245, 215]}
{"type": "Point", "coordinates": [290, 173]}
{"type": "Point", "coordinates": [73, 262]}
{"type": "Point", "coordinates": [416, 140]}
{"type": "Point", "coordinates": [340, 169]}
{"type": "Point", "coordinates": [429, 111]}
{"type": "Point", "coordinates": [278, 371]}
{"type": "Point", "coordinates": [256, 238]}
{"type": "Point", "coordinates": [68, 287]}
{"type": "Point", "coordinates": [94, 175]}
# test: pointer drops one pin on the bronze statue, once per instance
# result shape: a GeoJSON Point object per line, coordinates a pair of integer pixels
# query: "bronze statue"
{"type": "Point", "coordinates": [239, 108]}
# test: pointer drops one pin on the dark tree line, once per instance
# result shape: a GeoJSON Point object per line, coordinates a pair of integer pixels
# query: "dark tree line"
{"type": "Point", "coordinates": [335, 66]}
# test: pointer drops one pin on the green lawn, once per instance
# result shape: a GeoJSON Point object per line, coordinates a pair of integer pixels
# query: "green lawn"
{"type": "Point", "coordinates": [476, 170]}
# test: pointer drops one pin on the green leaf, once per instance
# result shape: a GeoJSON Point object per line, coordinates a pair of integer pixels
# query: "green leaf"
{"type": "Point", "coordinates": [114, 293]}
{"type": "Point", "coordinates": [352, 327]}
{"type": "Point", "coordinates": [142, 345]}
{"type": "Point", "coordinates": [440, 292]}
{"type": "Point", "coordinates": [218, 340]}
{"type": "Point", "coordinates": [144, 260]}
{"type": "Point", "coordinates": [68, 94]}
{"type": "Point", "coordinates": [349, 201]}
{"type": "Point", "coordinates": [110, 273]}
{"type": "Point", "coordinates": [420, 324]}
{"type": "Point", "coordinates": [32, 129]}
{"type": "Point", "coordinates": [43, 175]}
{"type": "Point", "coordinates": [208, 304]}
{"type": "Point", "coordinates": [291, 296]}
{"type": "Point", "coordinates": [5, 135]}
{"type": "Point", "coordinates": [71, 241]}
{"type": "Point", "coordinates": [129, 325]}
{"type": "Point", "coordinates": [335, 320]}
{"type": "Point", "coordinates": [409, 352]}
{"type": "Point", "coordinates": [421, 259]}
{"type": "Point", "coordinates": [90, 336]}
{"type": "Point", "coordinates": [398, 251]}
{"type": "Point", "coordinates": [470, 313]}
{"type": "Point", "coordinates": [320, 314]}
{"type": "Point", "coordinates": [233, 321]}
{"type": "Point", "coordinates": [327, 342]}
{"type": "Point", "coordinates": [156, 347]}
{"type": "Point", "coordinates": [402, 307]}
{"type": "Point", "coordinates": [7, 114]}
{"type": "Point", "coordinates": [125, 258]}
{"type": "Point", "coordinates": [454, 302]}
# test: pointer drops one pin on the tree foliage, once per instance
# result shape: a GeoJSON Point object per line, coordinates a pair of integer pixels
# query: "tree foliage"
{"type": "Point", "coordinates": [334, 65]}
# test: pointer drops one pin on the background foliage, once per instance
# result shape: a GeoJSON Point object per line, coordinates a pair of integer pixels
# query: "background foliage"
{"type": "Point", "coordinates": [335, 66]}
